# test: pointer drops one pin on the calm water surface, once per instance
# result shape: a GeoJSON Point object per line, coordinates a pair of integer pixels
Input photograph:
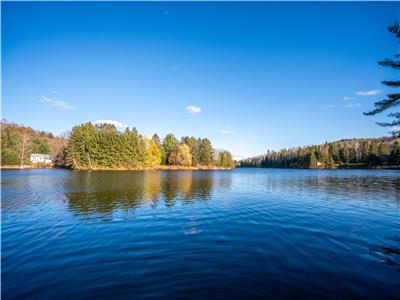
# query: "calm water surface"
{"type": "Point", "coordinates": [247, 233]}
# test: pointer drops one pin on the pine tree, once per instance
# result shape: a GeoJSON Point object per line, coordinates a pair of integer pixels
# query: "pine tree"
{"type": "Point", "coordinates": [311, 160]}
{"type": "Point", "coordinates": [205, 152]}
{"type": "Point", "coordinates": [393, 99]}
{"type": "Point", "coordinates": [170, 144]}
{"type": "Point", "coordinates": [364, 152]}
{"type": "Point", "coordinates": [373, 158]}
{"type": "Point", "coordinates": [331, 163]}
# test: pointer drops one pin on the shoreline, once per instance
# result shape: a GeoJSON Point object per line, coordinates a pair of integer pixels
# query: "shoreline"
{"type": "Point", "coordinates": [155, 168]}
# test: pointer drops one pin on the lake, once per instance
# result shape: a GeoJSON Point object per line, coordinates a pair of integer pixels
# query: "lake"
{"type": "Point", "coordinates": [245, 233]}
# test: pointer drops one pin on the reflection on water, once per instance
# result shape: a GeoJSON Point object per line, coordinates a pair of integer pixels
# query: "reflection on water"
{"type": "Point", "coordinates": [91, 192]}
{"type": "Point", "coordinates": [247, 233]}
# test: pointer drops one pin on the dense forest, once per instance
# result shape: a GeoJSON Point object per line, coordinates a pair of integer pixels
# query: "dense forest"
{"type": "Point", "coordinates": [96, 146]}
{"type": "Point", "coordinates": [103, 146]}
{"type": "Point", "coordinates": [353, 153]}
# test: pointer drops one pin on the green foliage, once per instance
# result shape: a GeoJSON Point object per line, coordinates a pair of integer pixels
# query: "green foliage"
{"type": "Point", "coordinates": [343, 154]}
{"type": "Point", "coordinates": [9, 158]}
{"type": "Point", "coordinates": [102, 146]}
{"type": "Point", "coordinates": [206, 151]}
{"type": "Point", "coordinates": [373, 157]}
{"type": "Point", "coordinates": [331, 162]}
{"type": "Point", "coordinates": [170, 144]}
{"type": "Point", "coordinates": [364, 152]}
{"type": "Point", "coordinates": [40, 146]}
{"type": "Point", "coordinates": [311, 160]}
{"type": "Point", "coordinates": [225, 159]}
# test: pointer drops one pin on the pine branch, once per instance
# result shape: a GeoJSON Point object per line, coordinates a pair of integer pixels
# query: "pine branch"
{"type": "Point", "coordinates": [380, 106]}
{"type": "Point", "coordinates": [391, 124]}
{"type": "Point", "coordinates": [395, 28]}
{"type": "Point", "coordinates": [391, 83]}
{"type": "Point", "coordinates": [390, 63]}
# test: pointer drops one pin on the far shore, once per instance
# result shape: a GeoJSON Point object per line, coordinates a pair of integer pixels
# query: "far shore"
{"type": "Point", "coordinates": [161, 167]}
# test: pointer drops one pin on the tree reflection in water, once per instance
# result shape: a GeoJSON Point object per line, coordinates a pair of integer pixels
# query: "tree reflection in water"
{"type": "Point", "coordinates": [105, 192]}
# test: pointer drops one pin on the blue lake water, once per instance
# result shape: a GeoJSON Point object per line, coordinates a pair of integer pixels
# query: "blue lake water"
{"type": "Point", "coordinates": [246, 233]}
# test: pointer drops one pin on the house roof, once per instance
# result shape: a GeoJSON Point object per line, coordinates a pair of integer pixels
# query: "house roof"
{"type": "Point", "coordinates": [41, 155]}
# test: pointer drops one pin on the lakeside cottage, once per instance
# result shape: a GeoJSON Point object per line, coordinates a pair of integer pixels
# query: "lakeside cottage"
{"type": "Point", "coordinates": [41, 158]}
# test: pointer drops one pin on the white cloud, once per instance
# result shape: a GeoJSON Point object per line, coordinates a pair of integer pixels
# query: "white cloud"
{"type": "Point", "coordinates": [57, 103]}
{"type": "Point", "coordinates": [369, 93]}
{"type": "Point", "coordinates": [54, 92]}
{"type": "Point", "coordinates": [112, 122]}
{"type": "Point", "coordinates": [346, 98]}
{"type": "Point", "coordinates": [330, 106]}
{"type": "Point", "coordinates": [226, 130]}
{"type": "Point", "coordinates": [352, 105]}
{"type": "Point", "coordinates": [191, 109]}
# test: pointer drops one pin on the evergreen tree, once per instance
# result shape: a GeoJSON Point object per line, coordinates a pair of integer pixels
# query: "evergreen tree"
{"type": "Point", "coordinates": [383, 150]}
{"type": "Point", "coordinates": [373, 158]}
{"type": "Point", "coordinates": [352, 155]}
{"type": "Point", "coordinates": [344, 154]}
{"type": "Point", "coordinates": [311, 160]}
{"type": "Point", "coordinates": [331, 163]}
{"type": "Point", "coordinates": [170, 144]}
{"type": "Point", "coordinates": [393, 99]}
{"type": "Point", "coordinates": [364, 152]}
{"type": "Point", "coordinates": [205, 152]}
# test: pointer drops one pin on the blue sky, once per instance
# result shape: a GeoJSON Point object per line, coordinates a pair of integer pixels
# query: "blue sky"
{"type": "Point", "coordinates": [250, 76]}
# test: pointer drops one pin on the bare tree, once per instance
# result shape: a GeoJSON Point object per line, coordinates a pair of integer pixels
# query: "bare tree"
{"type": "Point", "coordinates": [22, 147]}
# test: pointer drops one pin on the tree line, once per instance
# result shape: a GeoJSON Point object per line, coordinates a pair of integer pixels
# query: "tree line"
{"type": "Point", "coordinates": [103, 146]}
{"type": "Point", "coordinates": [343, 154]}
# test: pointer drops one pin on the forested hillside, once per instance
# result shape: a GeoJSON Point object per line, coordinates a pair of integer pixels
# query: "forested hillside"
{"type": "Point", "coordinates": [351, 153]}
{"type": "Point", "coordinates": [103, 146]}
{"type": "Point", "coordinates": [18, 142]}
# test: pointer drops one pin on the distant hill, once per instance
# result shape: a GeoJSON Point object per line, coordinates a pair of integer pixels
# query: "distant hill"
{"type": "Point", "coordinates": [18, 142]}
{"type": "Point", "coordinates": [345, 153]}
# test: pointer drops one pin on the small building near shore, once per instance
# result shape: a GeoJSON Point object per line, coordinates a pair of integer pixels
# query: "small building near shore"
{"type": "Point", "coordinates": [41, 158]}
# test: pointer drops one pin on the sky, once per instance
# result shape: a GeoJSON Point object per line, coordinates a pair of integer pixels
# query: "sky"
{"type": "Point", "coordinates": [249, 76]}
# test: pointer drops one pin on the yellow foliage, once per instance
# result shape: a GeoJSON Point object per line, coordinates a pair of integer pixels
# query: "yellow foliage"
{"type": "Point", "coordinates": [153, 154]}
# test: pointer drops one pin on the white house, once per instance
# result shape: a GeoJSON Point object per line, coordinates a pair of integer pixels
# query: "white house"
{"type": "Point", "coordinates": [41, 158]}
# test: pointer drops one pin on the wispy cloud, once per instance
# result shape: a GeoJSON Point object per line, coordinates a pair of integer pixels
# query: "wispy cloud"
{"type": "Point", "coordinates": [352, 105]}
{"type": "Point", "coordinates": [226, 130]}
{"type": "Point", "coordinates": [54, 92]}
{"type": "Point", "coordinates": [57, 103]}
{"type": "Point", "coordinates": [330, 106]}
{"type": "Point", "coordinates": [347, 98]}
{"type": "Point", "coordinates": [191, 109]}
{"type": "Point", "coordinates": [112, 122]}
{"type": "Point", "coordinates": [369, 93]}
